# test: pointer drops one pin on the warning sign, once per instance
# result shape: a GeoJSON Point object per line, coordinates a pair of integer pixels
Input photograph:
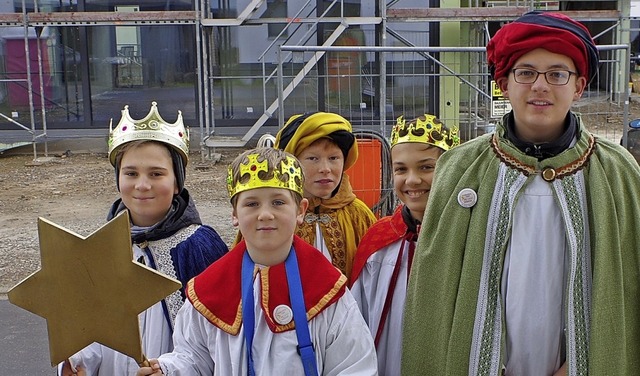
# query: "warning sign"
{"type": "Point", "coordinates": [499, 104]}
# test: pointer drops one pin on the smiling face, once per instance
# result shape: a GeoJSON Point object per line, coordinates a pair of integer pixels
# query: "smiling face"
{"type": "Point", "coordinates": [539, 108]}
{"type": "Point", "coordinates": [413, 167]}
{"type": "Point", "coordinates": [267, 219]}
{"type": "Point", "coordinates": [147, 182]}
{"type": "Point", "coordinates": [322, 163]}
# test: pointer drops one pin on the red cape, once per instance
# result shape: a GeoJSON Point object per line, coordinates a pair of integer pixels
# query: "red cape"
{"type": "Point", "coordinates": [216, 292]}
{"type": "Point", "coordinates": [384, 232]}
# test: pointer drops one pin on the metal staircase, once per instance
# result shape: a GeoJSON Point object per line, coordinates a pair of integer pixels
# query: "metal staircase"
{"type": "Point", "coordinates": [213, 141]}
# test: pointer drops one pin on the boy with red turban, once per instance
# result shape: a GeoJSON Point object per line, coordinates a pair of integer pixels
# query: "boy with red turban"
{"type": "Point", "coordinates": [530, 265]}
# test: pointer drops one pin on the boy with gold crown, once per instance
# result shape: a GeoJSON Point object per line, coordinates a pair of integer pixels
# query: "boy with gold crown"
{"type": "Point", "coordinates": [274, 305]}
{"type": "Point", "coordinates": [381, 267]}
{"type": "Point", "coordinates": [150, 157]}
{"type": "Point", "coordinates": [530, 265]}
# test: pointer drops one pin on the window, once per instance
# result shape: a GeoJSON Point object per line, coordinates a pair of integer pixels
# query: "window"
{"type": "Point", "coordinates": [276, 9]}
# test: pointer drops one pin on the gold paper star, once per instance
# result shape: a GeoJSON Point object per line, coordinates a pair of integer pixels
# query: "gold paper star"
{"type": "Point", "coordinates": [90, 290]}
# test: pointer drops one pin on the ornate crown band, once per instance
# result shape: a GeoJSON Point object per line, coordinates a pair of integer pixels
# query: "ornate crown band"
{"type": "Point", "coordinates": [152, 127]}
{"type": "Point", "coordinates": [426, 129]}
{"type": "Point", "coordinates": [258, 174]}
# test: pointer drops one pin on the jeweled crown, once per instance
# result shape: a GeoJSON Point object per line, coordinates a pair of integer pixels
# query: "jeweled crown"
{"type": "Point", "coordinates": [255, 173]}
{"type": "Point", "coordinates": [426, 129]}
{"type": "Point", "coordinates": [152, 127]}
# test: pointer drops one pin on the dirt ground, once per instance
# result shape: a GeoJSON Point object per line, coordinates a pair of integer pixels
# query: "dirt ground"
{"type": "Point", "coordinates": [76, 192]}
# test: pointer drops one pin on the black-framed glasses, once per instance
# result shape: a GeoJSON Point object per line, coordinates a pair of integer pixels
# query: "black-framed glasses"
{"type": "Point", "coordinates": [557, 77]}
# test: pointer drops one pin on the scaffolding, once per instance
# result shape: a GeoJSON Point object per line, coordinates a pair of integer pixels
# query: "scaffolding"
{"type": "Point", "coordinates": [451, 77]}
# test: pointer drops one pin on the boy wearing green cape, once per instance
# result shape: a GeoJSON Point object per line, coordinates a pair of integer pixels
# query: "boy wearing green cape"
{"type": "Point", "coordinates": [531, 266]}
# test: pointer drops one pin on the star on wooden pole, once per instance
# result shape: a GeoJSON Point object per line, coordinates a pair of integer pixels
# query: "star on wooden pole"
{"type": "Point", "coordinates": [90, 290]}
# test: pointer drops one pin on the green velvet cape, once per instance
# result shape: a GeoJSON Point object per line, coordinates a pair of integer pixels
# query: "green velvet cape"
{"type": "Point", "coordinates": [441, 305]}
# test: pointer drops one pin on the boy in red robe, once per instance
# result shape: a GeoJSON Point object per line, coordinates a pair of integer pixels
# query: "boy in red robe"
{"type": "Point", "coordinates": [274, 305]}
{"type": "Point", "coordinates": [383, 259]}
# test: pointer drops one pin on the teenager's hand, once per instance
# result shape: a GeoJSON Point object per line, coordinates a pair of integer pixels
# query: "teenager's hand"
{"type": "Point", "coordinates": [562, 371]}
{"type": "Point", "coordinates": [68, 371]}
{"type": "Point", "coordinates": [153, 369]}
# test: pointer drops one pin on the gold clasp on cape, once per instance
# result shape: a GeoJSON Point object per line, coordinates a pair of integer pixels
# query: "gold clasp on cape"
{"type": "Point", "coordinates": [322, 218]}
{"type": "Point", "coordinates": [549, 174]}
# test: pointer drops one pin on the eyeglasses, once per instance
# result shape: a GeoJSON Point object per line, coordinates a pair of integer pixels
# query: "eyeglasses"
{"type": "Point", "coordinates": [558, 77]}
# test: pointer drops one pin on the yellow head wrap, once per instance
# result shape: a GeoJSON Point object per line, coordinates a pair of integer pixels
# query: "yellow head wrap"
{"type": "Point", "coordinates": [300, 131]}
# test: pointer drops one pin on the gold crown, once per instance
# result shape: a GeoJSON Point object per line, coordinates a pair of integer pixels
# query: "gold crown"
{"type": "Point", "coordinates": [426, 129]}
{"type": "Point", "coordinates": [288, 176]}
{"type": "Point", "coordinates": [152, 127]}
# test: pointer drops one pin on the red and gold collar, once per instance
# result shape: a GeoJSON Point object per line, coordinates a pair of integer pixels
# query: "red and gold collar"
{"type": "Point", "coordinates": [216, 292]}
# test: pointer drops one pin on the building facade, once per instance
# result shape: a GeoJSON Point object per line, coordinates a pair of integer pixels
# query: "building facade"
{"type": "Point", "coordinates": [220, 61]}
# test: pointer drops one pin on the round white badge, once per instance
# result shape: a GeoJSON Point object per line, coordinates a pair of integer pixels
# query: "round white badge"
{"type": "Point", "coordinates": [467, 198]}
{"type": "Point", "coordinates": [283, 314]}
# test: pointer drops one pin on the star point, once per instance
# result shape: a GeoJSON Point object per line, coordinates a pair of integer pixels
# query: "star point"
{"type": "Point", "coordinates": [90, 290]}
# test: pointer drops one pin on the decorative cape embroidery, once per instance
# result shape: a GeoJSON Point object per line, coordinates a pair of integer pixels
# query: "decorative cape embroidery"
{"type": "Point", "coordinates": [548, 173]}
{"type": "Point", "coordinates": [343, 220]}
{"type": "Point", "coordinates": [442, 297]}
{"type": "Point", "coordinates": [216, 292]}
{"type": "Point", "coordinates": [161, 253]}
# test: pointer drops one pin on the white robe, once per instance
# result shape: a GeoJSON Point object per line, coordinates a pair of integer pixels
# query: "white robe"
{"type": "Point", "coordinates": [533, 284]}
{"type": "Point", "coordinates": [370, 291]}
{"type": "Point", "coordinates": [342, 342]}
{"type": "Point", "coordinates": [320, 244]}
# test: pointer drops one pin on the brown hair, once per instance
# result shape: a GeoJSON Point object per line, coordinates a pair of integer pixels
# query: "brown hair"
{"type": "Point", "coordinates": [177, 162]}
{"type": "Point", "coordinates": [132, 145]}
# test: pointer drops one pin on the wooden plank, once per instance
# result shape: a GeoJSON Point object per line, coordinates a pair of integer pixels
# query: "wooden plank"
{"type": "Point", "coordinates": [478, 14]}
{"type": "Point", "coordinates": [456, 14]}
{"type": "Point", "coordinates": [11, 18]}
{"type": "Point", "coordinates": [116, 18]}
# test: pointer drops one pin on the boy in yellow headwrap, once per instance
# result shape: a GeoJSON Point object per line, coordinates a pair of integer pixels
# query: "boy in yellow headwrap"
{"type": "Point", "coordinates": [336, 220]}
{"type": "Point", "coordinates": [530, 265]}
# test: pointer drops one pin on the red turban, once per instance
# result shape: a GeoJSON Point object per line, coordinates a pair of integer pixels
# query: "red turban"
{"type": "Point", "coordinates": [554, 32]}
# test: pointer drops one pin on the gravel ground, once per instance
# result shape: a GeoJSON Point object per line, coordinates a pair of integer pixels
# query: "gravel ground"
{"type": "Point", "coordinates": [76, 191]}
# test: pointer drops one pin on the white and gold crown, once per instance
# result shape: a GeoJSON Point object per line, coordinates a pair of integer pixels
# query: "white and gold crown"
{"type": "Point", "coordinates": [287, 176]}
{"type": "Point", "coordinates": [426, 129]}
{"type": "Point", "coordinates": [152, 127]}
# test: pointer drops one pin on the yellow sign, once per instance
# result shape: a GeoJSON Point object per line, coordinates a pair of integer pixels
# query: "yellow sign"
{"type": "Point", "coordinates": [496, 93]}
{"type": "Point", "coordinates": [500, 105]}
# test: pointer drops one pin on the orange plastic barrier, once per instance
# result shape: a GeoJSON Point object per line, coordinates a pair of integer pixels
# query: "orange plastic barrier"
{"type": "Point", "coordinates": [365, 175]}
